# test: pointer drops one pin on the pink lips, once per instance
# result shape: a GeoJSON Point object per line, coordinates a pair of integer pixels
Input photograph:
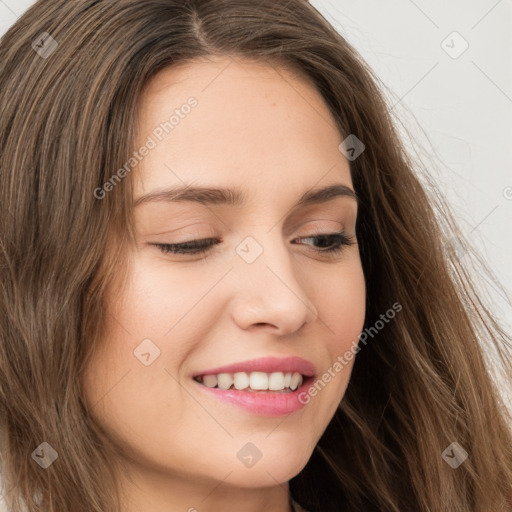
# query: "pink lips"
{"type": "Point", "coordinates": [267, 365]}
{"type": "Point", "coordinates": [263, 403]}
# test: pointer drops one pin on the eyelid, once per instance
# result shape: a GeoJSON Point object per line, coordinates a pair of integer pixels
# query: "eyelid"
{"type": "Point", "coordinates": [319, 227]}
{"type": "Point", "coordinates": [185, 227]}
{"type": "Point", "coordinates": [210, 231]}
{"type": "Point", "coordinates": [338, 224]}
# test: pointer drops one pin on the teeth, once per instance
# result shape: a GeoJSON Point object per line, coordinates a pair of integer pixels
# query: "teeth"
{"type": "Point", "coordinates": [241, 380]}
{"type": "Point", "coordinates": [296, 381]}
{"type": "Point", "coordinates": [276, 381]}
{"type": "Point", "coordinates": [258, 381]}
{"type": "Point", "coordinates": [225, 380]}
{"type": "Point", "coordinates": [255, 381]}
{"type": "Point", "coordinates": [210, 380]}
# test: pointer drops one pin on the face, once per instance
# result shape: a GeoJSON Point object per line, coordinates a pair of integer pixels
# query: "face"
{"type": "Point", "coordinates": [265, 292]}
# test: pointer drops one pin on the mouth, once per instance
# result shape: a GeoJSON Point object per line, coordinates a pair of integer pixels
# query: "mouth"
{"type": "Point", "coordinates": [268, 386]}
{"type": "Point", "coordinates": [260, 402]}
{"type": "Point", "coordinates": [255, 382]}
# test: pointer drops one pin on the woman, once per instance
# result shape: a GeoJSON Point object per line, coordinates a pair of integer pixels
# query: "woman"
{"type": "Point", "coordinates": [223, 285]}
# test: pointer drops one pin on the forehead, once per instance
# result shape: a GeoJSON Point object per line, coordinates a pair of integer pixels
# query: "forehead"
{"type": "Point", "coordinates": [253, 125]}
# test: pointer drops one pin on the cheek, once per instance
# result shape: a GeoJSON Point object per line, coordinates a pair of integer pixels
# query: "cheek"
{"type": "Point", "coordinates": [126, 381]}
{"type": "Point", "coordinates": [162, 310]}
{"type": "Point", "coordinates": [341, 303]}
{"type": "Point", "coordinates": [341, 308]}
{"type": "Point", "coordinates": [132, 383]}
{"type": "Point", "coordinates": [164, 300]}
{"type": "Point", "coordinates": [347, 310]}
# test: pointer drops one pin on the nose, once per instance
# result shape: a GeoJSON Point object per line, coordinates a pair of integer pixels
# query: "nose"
{"type": "Point", "coordinates": [268, 293]}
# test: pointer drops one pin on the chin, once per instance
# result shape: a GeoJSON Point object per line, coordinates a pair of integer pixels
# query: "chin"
{"type": "Point", "coordinates": [274, 468]}
{"type": "Point", "coordinates": [268, 475]}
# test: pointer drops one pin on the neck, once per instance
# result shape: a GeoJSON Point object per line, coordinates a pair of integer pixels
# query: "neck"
{"type": "Point", "coordinates": [156, 492]}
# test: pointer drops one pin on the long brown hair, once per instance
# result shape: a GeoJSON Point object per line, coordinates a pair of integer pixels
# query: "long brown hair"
{"type": "Point", "coordinates": [71, 73]}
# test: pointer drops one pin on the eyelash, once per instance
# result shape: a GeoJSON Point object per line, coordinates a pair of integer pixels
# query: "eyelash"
{"type": "Point", "coordinates": [194, 247]}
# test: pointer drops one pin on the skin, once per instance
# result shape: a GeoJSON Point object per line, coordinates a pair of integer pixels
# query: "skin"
{"type": "Point", "coordinates": [270, 133]}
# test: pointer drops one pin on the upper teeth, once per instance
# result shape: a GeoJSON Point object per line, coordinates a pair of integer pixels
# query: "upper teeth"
{"type": "Point", "coordinates": [275, 381]}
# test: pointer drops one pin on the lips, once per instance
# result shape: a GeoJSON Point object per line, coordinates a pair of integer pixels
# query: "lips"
{"type": "Point", "coordinates": [260, 403]}
{"type": "Point", "coordinates": [284, 398]}
{"type": "Point", "coordinates": [266, 365]}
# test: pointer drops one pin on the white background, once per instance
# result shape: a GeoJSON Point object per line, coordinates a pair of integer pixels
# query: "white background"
{"type": "Point", "coordinates": [458, 109]}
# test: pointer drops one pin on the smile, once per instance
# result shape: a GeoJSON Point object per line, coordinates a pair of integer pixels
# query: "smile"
{"type": "Point", "coordinates": [254, 381]}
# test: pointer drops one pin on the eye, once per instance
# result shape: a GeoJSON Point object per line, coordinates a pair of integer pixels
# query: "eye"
{"type": "Point", "coordinates": [337, 242]}
{"type": "Point", "coordinates": [190, 247]}
{"type": "Point", "coordinates": [328, 243]}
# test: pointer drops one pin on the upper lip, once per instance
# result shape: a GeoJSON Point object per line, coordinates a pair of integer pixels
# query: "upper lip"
{"type": "Point", "coordinates": [265, 364]}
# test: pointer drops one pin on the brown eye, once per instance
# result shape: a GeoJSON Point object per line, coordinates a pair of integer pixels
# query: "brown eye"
{"type": "Point", "coordinates": [331, 243]}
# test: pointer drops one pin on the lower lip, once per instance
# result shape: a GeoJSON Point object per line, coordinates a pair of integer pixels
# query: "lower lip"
{"type": "Point", "coordinates": [260, 402]}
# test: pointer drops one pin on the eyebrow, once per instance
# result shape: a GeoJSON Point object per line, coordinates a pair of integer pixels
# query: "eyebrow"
{"type": "Point", "coordinates": [236, 197]}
